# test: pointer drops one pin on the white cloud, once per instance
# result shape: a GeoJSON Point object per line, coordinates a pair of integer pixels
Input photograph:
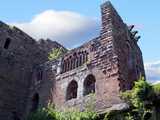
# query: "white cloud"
{"type": "Point", "coordinates": [68, 28]}
{"type": "Point", "coordinates": [153, 71]}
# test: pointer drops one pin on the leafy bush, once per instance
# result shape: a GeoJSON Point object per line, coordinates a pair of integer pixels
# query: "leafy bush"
{"type": "Point", "coordinates": [143, 99]}
{"type": "Point", "coordinates": [50, 113]}
{"type": "Point", "coordinates": [156, 88]}
{"type": "Point", "coordinates": [44, 114]}
{"type": "Point", "coordinates": [55, 53]}
{"type": "Point", "coordinates": [141, 92]}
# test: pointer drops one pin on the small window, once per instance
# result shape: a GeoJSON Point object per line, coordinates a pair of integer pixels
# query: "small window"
{"type": "Point", "coordinates": [35, 102]}
{"type": "Point", "coordinates": [7, 43]}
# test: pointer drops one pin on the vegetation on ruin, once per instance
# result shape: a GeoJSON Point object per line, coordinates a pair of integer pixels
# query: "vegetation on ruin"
{"type": "Point", "coordinates": [50, 113]}
{"type": "Point", "coordinates": [144, 101]}
{"type": "Point", "coordinates": [55, 53]}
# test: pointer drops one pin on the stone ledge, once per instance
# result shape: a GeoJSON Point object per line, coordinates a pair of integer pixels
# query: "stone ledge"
{"type": "Point", "coordinates": [115, 107]}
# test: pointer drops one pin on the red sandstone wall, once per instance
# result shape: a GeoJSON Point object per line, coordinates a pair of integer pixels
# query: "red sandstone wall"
{"type": "Point", "coordinates": [108, 59]}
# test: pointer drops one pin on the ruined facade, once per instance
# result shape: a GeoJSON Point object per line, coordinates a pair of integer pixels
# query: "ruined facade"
{"type": "Point", "coordinates": [104, 66]}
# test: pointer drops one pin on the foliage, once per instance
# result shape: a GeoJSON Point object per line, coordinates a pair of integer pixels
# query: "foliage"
{"type": "Point", "coordinates": [50, 113]}
{"type": "Point", "coordinates": [156, 88]}
{"type": "Point", "coordinates": [77, 115]}
{"type": "Point", "coordinates": [90, 104]}
{"type": "Point", "coordinates": [55, 53]}
{"type": "Point", "coordinates": [43, 114]}
{"type": "Point", "coordinates": [142, 99]}
{"type": "Point", "coordinates": [141, 92]}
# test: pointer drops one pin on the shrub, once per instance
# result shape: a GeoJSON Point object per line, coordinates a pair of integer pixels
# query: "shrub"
{"type": "Point", "coordinates": [50, 113]}
{"type": "Point", "coordinates": [55, 53]}
{"type": "Point", "coordinates": [156, 88]}
{"type": "Point", "coordinates": [143, 100]}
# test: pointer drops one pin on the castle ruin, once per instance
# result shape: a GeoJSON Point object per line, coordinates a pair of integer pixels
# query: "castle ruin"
{"type": "Point", "coordinates": [103, 67]}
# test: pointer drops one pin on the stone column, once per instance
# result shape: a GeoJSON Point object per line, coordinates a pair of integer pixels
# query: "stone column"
{"type": "Point", "coordinates": [80, 88]}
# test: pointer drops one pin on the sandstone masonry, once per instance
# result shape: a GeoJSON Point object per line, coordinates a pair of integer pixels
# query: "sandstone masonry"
{"type": "Point", "coordinates": [104, 66]}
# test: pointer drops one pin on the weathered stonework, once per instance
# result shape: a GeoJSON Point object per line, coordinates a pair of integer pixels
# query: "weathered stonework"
{"type": "Point", "coordinates": [17, 63]}
{"type": "Point", "coordinates": [104, 66]}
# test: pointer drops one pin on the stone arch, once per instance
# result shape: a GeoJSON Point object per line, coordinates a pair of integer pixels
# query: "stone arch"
{"type": "Point", "coordinates": [35, 102]}
{"type": "Point", "coordinates": [89, 84]}
{"type": "Point", "coordinates": [72, 90]}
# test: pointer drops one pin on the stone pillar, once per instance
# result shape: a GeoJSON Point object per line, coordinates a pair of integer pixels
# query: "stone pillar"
{"type": "Point", "coordinates": [59, 66]}
{"type": "Point", "coordinates": [80, 89]}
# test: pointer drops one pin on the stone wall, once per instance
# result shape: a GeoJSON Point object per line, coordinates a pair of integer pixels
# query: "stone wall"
{"type": "Point", "coordinates": [113, 59]}
{"type": "Point", "coordinates": [19, 55]}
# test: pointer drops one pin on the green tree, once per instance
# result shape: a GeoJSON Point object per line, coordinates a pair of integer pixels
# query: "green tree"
{"type": "Point", "coordinates": [55, 53]}
{"type": "Point", "coordinates": [142, 99]}
{"type": "Point", "coordinates": [156, 100]}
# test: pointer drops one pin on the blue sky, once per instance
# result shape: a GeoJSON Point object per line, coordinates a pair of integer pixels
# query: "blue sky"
{"type": "Point", "coordinates": [144, 14]}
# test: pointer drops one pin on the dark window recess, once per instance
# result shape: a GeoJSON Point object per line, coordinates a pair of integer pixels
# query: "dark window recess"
{"type": "Point", "coordinates": [15, 116]}
{"type": "Point", "coordinates": [7, 43]}
{"type": "Point", "coordinates": [72, 90]}
{"type": "Point", "coordinates": [35, 102]}
{"type": "Point", "coordinates": [89, 85]}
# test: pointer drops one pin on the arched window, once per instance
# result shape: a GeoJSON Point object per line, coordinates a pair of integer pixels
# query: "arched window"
{"type": "Point", "coordinates": [80, 60]}
{"type": "Point", "coordinates": [65, 66]}
{"type": "Point", "coordinates": [74, 62]}
{"type": "Point", "coordinates": [89, 85]}
{"type": "Point", "coordinates": [72, 90]}
{"type": "Point", "coordinates": [7, 43]}
{"type": "Point", "coordinates": [35, 102]}
{"type": "Point", "coordinates": [70, 63]}
{"type": "Point", "coordinates": [77, 61]}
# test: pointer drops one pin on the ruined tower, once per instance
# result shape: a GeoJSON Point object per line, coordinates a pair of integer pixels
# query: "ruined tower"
{"type": "Point", "coordinates": [19, 56]}
{"type": "Point", "coordinates": [104, 66]}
